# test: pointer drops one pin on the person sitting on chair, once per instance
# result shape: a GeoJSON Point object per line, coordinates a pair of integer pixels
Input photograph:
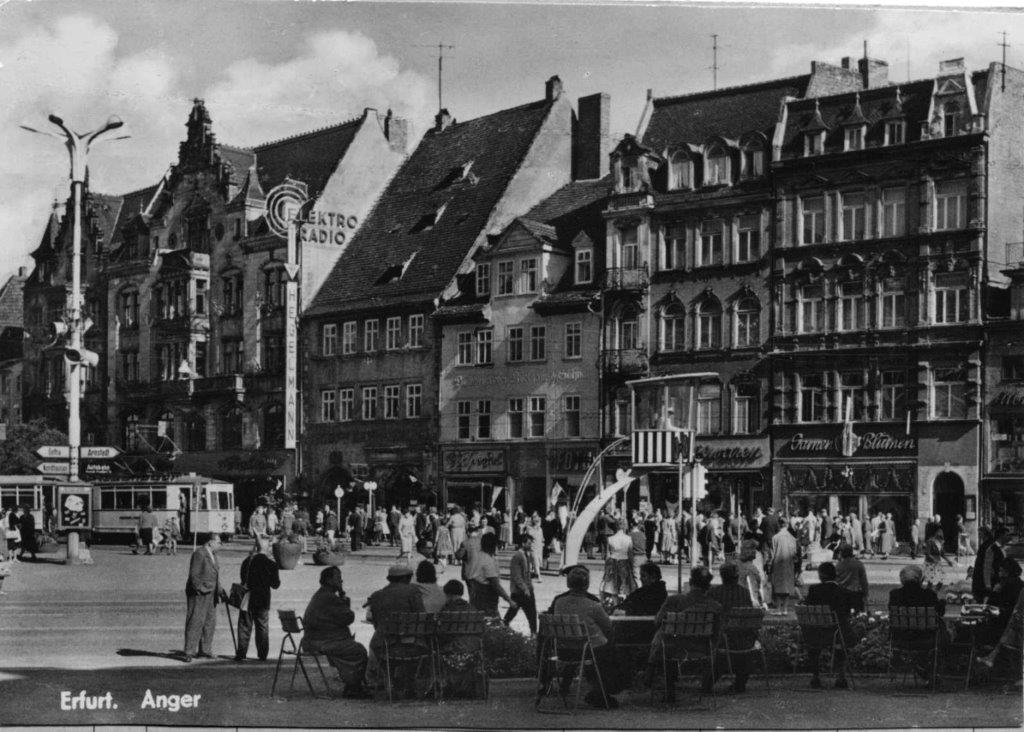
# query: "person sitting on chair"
{"type": "Point", "coordinates": [398, 596]}
{"type": "Point", "coordinates": [912, 593]}
{"type": "Point", "coordinates": [829, 592]}
{"type": "Point", "coordinates": [326, 630]}
{"type": "Point", "coordinates": [648, 598]}
{"type": "Point", "coordinates": [730, 595]}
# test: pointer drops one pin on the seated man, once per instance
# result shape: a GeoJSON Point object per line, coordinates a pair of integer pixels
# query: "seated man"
{"type": "Point", "coordinates": [828, 592]}
{"type": "Point", "coordinates": [326, 623]}
{"type": "Point", "coordinates": [577, 601]}
{"type": "Point", "coordinates": [648, 598]}
{"type": "Point", "coordinates": [853, 577]}
{"type": "Point", "coordinates": [696, 599]}
{"type": "Point", "coordinates": [457, 652]}
{"type": "Point", "coordinates": [399, 596]}
{"type": "Point", "coordinates": [730, 595]}
{"type": "Point", "coordinates": [912, 593]}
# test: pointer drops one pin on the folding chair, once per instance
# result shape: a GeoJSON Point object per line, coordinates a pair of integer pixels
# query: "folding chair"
{"type": "Point", "coordinates": [685, 637]}
{"type": "Point", "coordinates": [564, 647]}
{"type": "Point", "coordinates": [913, 631]}
{"type": "Point", "coordinates": [819, 628]}
{"type": "Point", "coordinates": [291, 624]}
{"type": "Point", "coordinates": [409, 638]}
{"type": "Point", "coordinates": [453, 627]}
{"type": "Point", "coordinates": [737, 629]}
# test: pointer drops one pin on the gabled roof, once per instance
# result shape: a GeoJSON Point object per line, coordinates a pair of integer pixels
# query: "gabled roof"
{"type": "Point", "coordinates": [48, 239]}
{"type": "Point", "coordinates": [693, 118]}
{"type": "Point", "coordinates": [310, 157]}
{"type": "Point", "coordinates": [497, 144]}
{"type": "Point", "coordinates": [543, 233]}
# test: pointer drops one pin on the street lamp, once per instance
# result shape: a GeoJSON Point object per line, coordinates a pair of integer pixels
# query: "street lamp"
{"type": "Point", "coordinates": [77, 144]}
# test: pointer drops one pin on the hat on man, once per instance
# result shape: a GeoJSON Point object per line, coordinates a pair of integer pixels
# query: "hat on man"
{"type": "Point", "coordinates": [399, 570]}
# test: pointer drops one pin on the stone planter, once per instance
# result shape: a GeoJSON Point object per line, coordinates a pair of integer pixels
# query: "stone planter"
{"type": "Point", "coordinates": [325, 557]}
{"type": "Point", "coordinates": [287, 553]}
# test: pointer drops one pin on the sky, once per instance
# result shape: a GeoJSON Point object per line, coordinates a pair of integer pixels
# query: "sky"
{"type": "Point", "coordinates": [273, 68]}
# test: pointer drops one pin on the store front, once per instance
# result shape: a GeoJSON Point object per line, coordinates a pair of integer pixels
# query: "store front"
{"type": "Point", "coordinates": [871, 470]}
{"type": "Point", "coordinates": [948, 476]}
{"type": "Point", "coordinates": [1002, 497]}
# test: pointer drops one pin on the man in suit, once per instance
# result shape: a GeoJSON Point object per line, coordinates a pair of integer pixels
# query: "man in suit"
{"type": "Point", "coordinates": [326, 623]}
{"type": "Point", "coordinates": [986, 564]}
{"type": "Point", "coordinates": [520, 584]}
{"type": "Point", "coordinates": [202, 593]}
{"type": "Point", "coordinates": [829, 592]}
{"type": "Point", "coordinates": [649, 597]}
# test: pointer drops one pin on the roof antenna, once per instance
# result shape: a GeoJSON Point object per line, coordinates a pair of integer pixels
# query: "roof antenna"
{"type": "Point", "coordinates": [714, 61]}
{"type": "Point", "coordinates": [441, 47]}
{"type": "Point", "coordinates": [1005, 45]}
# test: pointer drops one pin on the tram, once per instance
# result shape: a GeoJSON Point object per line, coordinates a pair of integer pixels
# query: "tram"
{"type": "Point", "coordinates": [36, 492]}
{"type": "Point", "coordinates": [205, 505]}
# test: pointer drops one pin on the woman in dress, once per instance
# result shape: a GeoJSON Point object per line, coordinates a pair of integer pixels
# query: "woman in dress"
{"type": "Point", "coordinates": [407, 532]}
{"type": "Point", "coordinates": [536, 531]}
{"type": "Point", "coordinates": [751, 574]}
{"type": "Point", "coordinates": [887, 541]}
{"type": "Point", "coordinates": [444, 549]}
{"type": "Point", "coordinates": [934, 575]}
{"type": "Point", "coordinates": [963, 543]}
{"type": "Point", "coordinates": [669, 532]}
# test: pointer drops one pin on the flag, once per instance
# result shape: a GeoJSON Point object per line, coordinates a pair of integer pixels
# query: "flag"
{"type": "Point", "coordinates": [495, 492]}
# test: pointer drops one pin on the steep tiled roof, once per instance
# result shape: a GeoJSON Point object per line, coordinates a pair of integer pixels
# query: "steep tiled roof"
{"type": "Point", "coordinates": [730, 112]}
{"type": "Point", "coordinates": [12, 301]}
{"type": "Point", "coordinates": [570, 198]}
{"type": "Point", "coordinates": [439, 224]}
{"type": "Point", "coordinates": [239, 159]}
{"type": "Point", "coordinates": [311, 157]}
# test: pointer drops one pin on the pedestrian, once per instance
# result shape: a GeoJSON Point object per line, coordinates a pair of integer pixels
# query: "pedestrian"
{"type": "Point", "coordinates": [990, 556]}
{"type": "Point", "coordinates": [172, 534]}
{"type": "Point", "coordinates": [271, 521]}
{"type": "Point", "coordinates": [27, 529]}
{"type": "Point", "coordinates": [148, 523]}
{"type": "Point", "coordinates": [963, 541]}
{"type": "Point", "coordinates": [202, 594]}
{"type": "Point", "coordinates": [618, 567]}
{"type": "Point", "coordinates": [260, 575]}
{"type": "Point", "coordinates": [426, 584]}
{"type": "Point", "coordinates": [638, 553]}
{"type": "Point", "coordinates": [783, 567]}
{"type": "Point", "coordinates": [888, 535]}
{"type": "Point", "coordinates": [669, 536]}
{"type": "Point", "coordinates": [355, 529]}
{"type": "Point", "coordinates": [443, 549]}
{"type": "Point", "coordinates": [520, 584]}
{"type": "Point", "coordinates": [238, 520]}
{"type": "Point", "coordinates": [331, 526]}
{"type": "Point", "coordinates": [934, 556]}
{"type": "Point", "coordinates": [915, 537]}
{"type": "Point", "coordinates": [258, 522]}
{"type": "Point", "coordinates": [407, 533]}
{"type": "Point", "coordinates": [536, 533]}
{"type": "Point", "coordinates": [326, 629]}
{"type": "Point", "coordinates": [485, 579]}
{"type": "Point", "coordinates": [288, 519]}
{"type": "Point", "coordinates": [457, 528]}
{"type": "Point", "coordinates": [12, 523]}
{"type": "Point", "coordinates": [853, 577]}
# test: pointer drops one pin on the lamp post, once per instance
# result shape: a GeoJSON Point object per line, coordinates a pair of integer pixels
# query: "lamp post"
{"type": "Point", "coordinates": [77, 144]}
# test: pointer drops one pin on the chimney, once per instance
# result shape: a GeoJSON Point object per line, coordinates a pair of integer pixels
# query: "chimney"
{"type": "Point", "coordinates": [952, 66]}
{"type": "Point", "coordinates": [442, 121]}
{"type": "Point", "coordinates": [553, 88]}
{"type": "Point", "coordinates": [22, 272]}
{"type": "Point", "coordinates": [845, 62]}
{"type": "Point", "coordinates": [591, 140]}
{"type": "Point", "coordinates": [396, 132]}
{"type": "Point", "coordinates": [873, 72]}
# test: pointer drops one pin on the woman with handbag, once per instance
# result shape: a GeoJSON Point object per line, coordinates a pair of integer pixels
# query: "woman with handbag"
{"type": "Point", "coordinates": [259, 576]}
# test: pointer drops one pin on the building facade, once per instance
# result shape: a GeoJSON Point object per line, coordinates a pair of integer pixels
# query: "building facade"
{"type": "Point", "coordinates": [12, 347]}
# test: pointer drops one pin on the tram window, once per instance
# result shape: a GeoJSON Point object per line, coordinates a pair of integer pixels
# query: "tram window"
{"type": "Point", "coordinates": [9, 499]}
{"type": "Point", "coordinates": [159, 499]}
{"type": "Point", "coordinates": [123, 499]}
{"type": "Point", "coordinates": [214, 499]}
{"type": "Point", "coordinates": [107, 500]}
{"type": "Point", "coordinates": [142, 498]}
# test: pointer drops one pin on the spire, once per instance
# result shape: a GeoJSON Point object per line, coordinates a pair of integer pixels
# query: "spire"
{"type": "Point", "coordinates": [856, 117]}
{"type": "Point", "coordinates": [197, 151]}
{"type": "Point", "coordinates": [896, 110]}
{"type": "Point", "coordinates": [817, 123]}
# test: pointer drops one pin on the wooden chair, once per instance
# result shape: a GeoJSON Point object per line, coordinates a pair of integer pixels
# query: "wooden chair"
{"type": "Point", "coordinates": [819, 628]}
{"type": "Point", "coordinates": [408, 638]}
{"type": "Point", "coordinates": [564, 646]}
{"type": "Point", "coordinates": [913, 631]}
{"type": "Point", "coordinates": [737, 627]}
{"type": "Point", "coordinates": [685, 637]}
{"type": "Point", "coordinates": [456, 627]}
{"type": "Point", "coordinates": [291, 624]}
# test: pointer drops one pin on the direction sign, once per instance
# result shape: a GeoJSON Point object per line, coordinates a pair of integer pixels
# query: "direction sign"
{"type": "Point", "coordinates": [53, 468]}
{"type": "Point", "coordinates": [54, 452]}
{"type": "Point", "coordinates": [93, 452]}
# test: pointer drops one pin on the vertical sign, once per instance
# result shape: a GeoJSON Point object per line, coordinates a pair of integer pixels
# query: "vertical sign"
{"type": "Point", "coordinates": [291, 362]}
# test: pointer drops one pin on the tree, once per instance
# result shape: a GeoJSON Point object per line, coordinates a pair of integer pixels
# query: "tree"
{"type": "Point", "coordinates": [18, 452]}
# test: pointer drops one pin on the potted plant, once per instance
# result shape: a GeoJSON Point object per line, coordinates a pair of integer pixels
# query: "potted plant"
{"type": "Point", "coordinates": [325, 554]}
{"type": "Point", "coordinates": [287, 551]}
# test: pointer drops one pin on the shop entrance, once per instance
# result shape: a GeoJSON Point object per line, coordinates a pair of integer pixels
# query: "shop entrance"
{"type": "Point", "coordinates": [948, 502]}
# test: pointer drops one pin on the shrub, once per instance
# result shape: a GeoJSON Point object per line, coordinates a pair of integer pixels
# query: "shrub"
{"type": "Point", "coordinates": [508, 653]}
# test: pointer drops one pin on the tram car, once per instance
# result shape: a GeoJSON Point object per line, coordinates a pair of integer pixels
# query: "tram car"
{"type": "Point", "coordinates": [38, 493]}
{"type": "Point", "coordinates": [203, 505]}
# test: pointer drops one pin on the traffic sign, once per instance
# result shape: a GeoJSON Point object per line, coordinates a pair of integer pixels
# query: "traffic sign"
{"type": "Point", "coordinates": [370, 485]}
{"type": "Point", "coordinates": [53, 468]}
{"type": "Point", "coordinates": [339, 492]}
{"type": "Point", "coordinates": [54, 452]}
{"type": "Point", "coordinates": [93, 452]}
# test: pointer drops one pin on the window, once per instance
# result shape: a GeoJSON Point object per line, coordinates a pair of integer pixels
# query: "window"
{"type": "Point", "coordinates": [348, 337]}
{"type": "Point", "coordinates": [515, 344]}
{"type": "Point", "coordinates": [950, 205]}
{"type": "Point", "coordinates": [812, 309]}
{"type": "Point", "coordinates": [855, 213]}
{"type": "Point", "coordinates": [952, 298]}
{"type": "Point", "coordinates": [538, 342]}
{"type": "Point", "coordinates": [273, 287]}
{"type": "Point", "coordinates": [464, 417]}
{"type": "Point", "coordinates": [680, 172]}
{"type": "Point", "coordinates": [894, 211]}
{"type": "Point", "coordinates": [571, 410]}
{"type": "Point", "coordinates": [195, 433]}
{"type": "Point", "coordinates": [232, 357]}
{"type": "Point", "coordinates": [812, 398]}
{"type": "Point", "coordinates": [622, 416]}
{"type": "Point", "coordinates": [709, 325]}
{"type": "Point", "coordinates": [851, 303]}
{"type": "Point", "coordinates": [629, 248]}
{"type": "Point", "coordinates": [813, 220]}
{"type": "Point", "coordinates": [200, 297]}
{"type": "Point", "coordinates": [573, 340]}
{"type": "Point", "coordinates": [416, 331]}
{"type": "Point", "coordinates": [717, 166]}
{"type": "Point", "coordinates": [538, 408]}
{"type": "Point", "coordinates": [346, 404]}
{"type": "Point", "coordinates": [851, 394]}
{"type": "Point", "coordinates": [744, 411]}
{"type": "Point", "coordinates": [129, 309]}
{"type": "Point", "coordinates": [465, 355]}
{"type": "Point", "coordinates": [413, 400]}
{"type": "Point", "coordinates": [626, 176]}
{"type": "Point", "coordinates": [515, 418]}
{"type": "Point", "coordinates": [584, 266]}
{"type": "Point", "coordinates": [329, 339]}
{"type": "Point", "coordinates": [748, 238]}
{"type": "Point", "coordinates": [629, 332]}
{"type": "Point", "coordinates": [129, 366]}
{"type": "Point", "coordinates": [272, 356]}
{"type": "Point", "coordinates": [950, 120]}
{"type": "Point", "coordinates": [369, 402]}
{"type": "Point", "coordinates": [675, 247]}
{"type": "Point", "coordinates": [371, 334]}
{"type": "Point", "coordinates": [895, 132]}
{"type": "Point", "coordinates": [483, 420]}
{"type": "Point", "coordinates": [393, 333]}
{"type": "Point", "coordinates": [673, 328]}
{"type": "Point", "coordinates": [392, 401]}
{"type": "Point", "coordinates": [949, 394]}
{"type": "Point", "coordinates": [752, 162]}
{"type": "Point", "coordinates": [814, 143]}
{"type": "Point", "coordinates": [1013, 368]}
{"type": "Point", "coordinates": [854, 139]}
{"type": "Point", "coordinates": [506, 277]}
{"type": "Point", "coordinates": [527, 276]}
{"type": "Point", "coordinates": [484, 339]}
{"type": "Point", "coordinates": [893, 304]}
{"type": "Point", "coordinates": [483, 279]}
{"type": "Point", "coordinates": [892, 399]}
{"type": "Point", "coordinates": [709, 409]}
{"type": "Point", "coordinates": [710, 243]}
{"type": "Point", "coordinates": [328, 406]}
{"type": "Point", "coordinates": [231, 429]}
{"type": "Point", "coordinates": [748, 323]}
{"type": "Point", "coordinates": [273, 425]}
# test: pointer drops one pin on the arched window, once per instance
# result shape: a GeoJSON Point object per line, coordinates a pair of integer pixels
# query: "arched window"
{"type": "Point", "coordinates": [130, 432]}
{"type": "Point", "coordinates": [680, 172]}
{"type": "Point", "coordinates": [709, 324]}
{"type": "Point", "coordinates": [752, 159]}
{"type": "Point", "coordinates": [748, 323]}
{"type": "Point", "coordinates": [673, 319]}
{"type": "Point", "coordinates": [717, 166]}
{"type": "Point", "coordinates": [273, 426]}
{"type": "Point", "coordinates": [231, 429]}
{"type": "Point", "coordinates": [195, 433]}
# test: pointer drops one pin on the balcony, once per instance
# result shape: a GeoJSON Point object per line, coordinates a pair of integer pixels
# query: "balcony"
{"type": "Point", "coordinates": [216, 385]}
{"type": "Point", "coordinates": [626, 278]}
{"type": "Point", "coordinates": [624, 360]}
{"type": "Point", "coordinates": [630, 201]}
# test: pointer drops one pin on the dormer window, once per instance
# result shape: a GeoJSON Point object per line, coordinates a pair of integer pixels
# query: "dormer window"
{"type": "Point", "coordinates": [717, 166]}
{"type": "Point", "coordinates": [584, 266]}
{"type": "Point", "coordinates": [627, 177]}
{"type": "Point", "coordinates": [895, 132]}
{"type": "Point", "coordinates": [752, 161]}
{"type": "Point", "coordinates": [950, 120]}
{"type": "Point", "coordinates": [814, 143]}
{"type": "Point", "coordinates": [854, 139]}
{"type": "Point", "coordinates": [680, 172]}
{"type": "Point", "coordinates": [483, 279]}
